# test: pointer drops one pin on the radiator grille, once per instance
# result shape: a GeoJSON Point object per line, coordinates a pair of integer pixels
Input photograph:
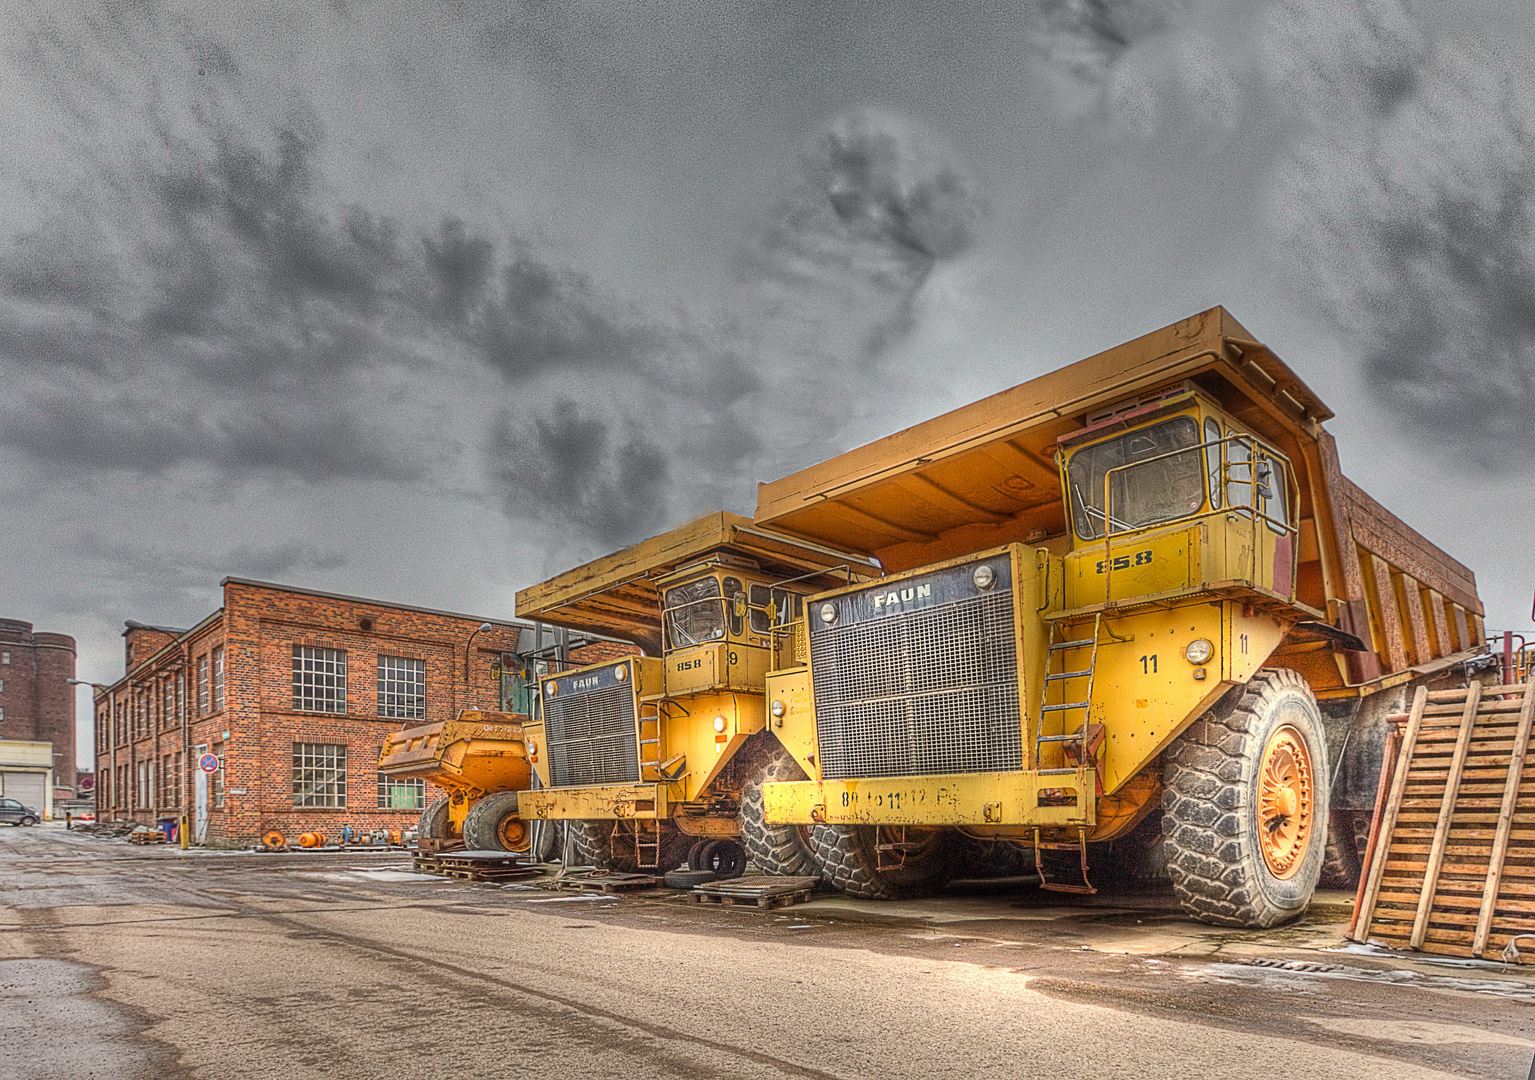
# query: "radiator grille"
{"type": "Point", "coordinates": [591, 738]}
{"type": "Point", "coordinates": [919, 693]}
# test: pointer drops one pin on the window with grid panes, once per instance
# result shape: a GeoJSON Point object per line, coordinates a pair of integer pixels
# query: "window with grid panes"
{"type": "Point", "coordinates": [319, 679]}
{"type": "Point", "coordinates": [401, 793]}
{"type": "Point", "coordinates": [218, 678]}
{"type": "Point", "coordinates": [202, 685]}
{"type": "Point", "coordinates": [181, 698]}
{"type": "Point", "coordinates": [319, 774]}
{"type": "Point", "coordinates": [402, 687]}
{"type": "Point", "coordinates": [218, 777]}
{"type": "Point", "coordinates": [170, 702]}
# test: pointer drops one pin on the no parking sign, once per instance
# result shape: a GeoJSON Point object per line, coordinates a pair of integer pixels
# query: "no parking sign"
{"type": "Point", "coordinates": [208, 763]}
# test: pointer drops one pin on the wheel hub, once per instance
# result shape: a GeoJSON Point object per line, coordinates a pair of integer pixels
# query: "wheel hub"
{"type": "Point", "coordinates": [1286, 801]}
{"type": "Point", "coordinates": [514, 833]}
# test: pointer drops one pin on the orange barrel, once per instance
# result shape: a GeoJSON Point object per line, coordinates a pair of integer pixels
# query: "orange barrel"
{"type": "Point", "coordinates": [311, 839]}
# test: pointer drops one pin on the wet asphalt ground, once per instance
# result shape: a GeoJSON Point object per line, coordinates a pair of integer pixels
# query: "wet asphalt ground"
{"type": "Point", "coordinates": [125, 962]}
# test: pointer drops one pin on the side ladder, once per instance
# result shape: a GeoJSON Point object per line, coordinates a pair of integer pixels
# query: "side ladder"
{"type": "Point", "coordinates": [1072, 743]}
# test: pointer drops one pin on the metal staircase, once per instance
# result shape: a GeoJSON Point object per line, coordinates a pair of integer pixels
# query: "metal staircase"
{"type": "Point", "coordinates": [1070, 872]}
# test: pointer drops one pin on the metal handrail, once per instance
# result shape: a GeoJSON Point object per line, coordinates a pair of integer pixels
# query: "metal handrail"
{"type": "Point", "coordinates": [1287, 527]}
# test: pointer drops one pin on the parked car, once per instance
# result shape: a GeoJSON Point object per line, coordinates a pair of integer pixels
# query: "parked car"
{"type": "Point", "coordinates": [17, 814]}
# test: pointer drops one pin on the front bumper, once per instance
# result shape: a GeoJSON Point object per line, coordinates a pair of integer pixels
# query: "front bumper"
{"type": "Point", "coordinates": [599, 801]}
{"type": "Point", "coordinates": [1011, 798]}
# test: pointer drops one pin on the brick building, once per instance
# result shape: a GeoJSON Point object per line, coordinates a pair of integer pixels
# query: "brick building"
{"type": "Point", "coordinates": [37, 705]}
{"type": "Point", "coordinates": [294, 692]}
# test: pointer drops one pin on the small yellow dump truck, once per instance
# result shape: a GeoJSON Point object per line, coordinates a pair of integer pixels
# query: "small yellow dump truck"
{"type": "Point", "coordinates": [481, 760]}
{"type": "Point", "coordinates": [652, 760]}
{"type": "Point", "coordinates": [1136, 588]}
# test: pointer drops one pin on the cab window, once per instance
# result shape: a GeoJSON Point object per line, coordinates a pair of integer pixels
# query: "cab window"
{"type": "Point", "coordinates": [786, 607]}
{"type": "Point", "coordinates": [1273, 493]}
{"type": "Point", "coordinates": [1169, 484]}
{"type": "Point", "coordinates": [694, 613]}
{"type": "Point", "coordinates": [1213, 461]}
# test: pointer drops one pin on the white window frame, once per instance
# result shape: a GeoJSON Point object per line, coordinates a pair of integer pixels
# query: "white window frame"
{"type": "Point", "coordinates": [319, 680]}
{"type": "Point", "coordinates": [401, 688]}
{"type": "Point", "coordinates": [319, 775]}
{"type": "Point", "coordinates": [390, 786]}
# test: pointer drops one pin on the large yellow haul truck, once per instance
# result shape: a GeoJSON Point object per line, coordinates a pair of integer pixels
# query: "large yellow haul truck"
{"type": "Point", "coordinates": [1138, 586]}
{"type": "Point", "coordinates": [657, 759]}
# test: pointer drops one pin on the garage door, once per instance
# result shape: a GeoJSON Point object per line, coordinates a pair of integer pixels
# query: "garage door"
{"type": "Point", "coordinates": [26, 788]}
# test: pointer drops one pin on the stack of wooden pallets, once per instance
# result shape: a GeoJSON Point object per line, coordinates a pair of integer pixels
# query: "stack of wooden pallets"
{"type": "Point", "coordinates": [476, 865]}
{"type": "Point", "coordinates": [1451, 863]}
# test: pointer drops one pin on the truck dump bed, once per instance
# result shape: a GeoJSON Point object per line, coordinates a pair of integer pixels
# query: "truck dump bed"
{"type": "Point", "coordinates": [985, 474]}
{"type": "Point", "coordinates": [616, 595]}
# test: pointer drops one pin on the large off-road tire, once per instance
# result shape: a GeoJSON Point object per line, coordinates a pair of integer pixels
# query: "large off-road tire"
{"type": "Point", "coordinates": [434, 823]}
{"type": "Point", "coordinates": [1344, 856]}
{"type": "Point", "coordinates": [548, 840]}
{"type": "Point", "coordinates": [1245, 805]}
{"type": "Point", "coordinates": [493, 824]}
{"type": "Point", "coordinates": [978, 858]}
{"type": "Point", "coordinates": [848, 859]}
{"type": "Point", "coordinates": [1138, 859]}
{"type": "Point", "coordinates": [780, 850]}
{"type": "Point", "coordinates": [594, 846]}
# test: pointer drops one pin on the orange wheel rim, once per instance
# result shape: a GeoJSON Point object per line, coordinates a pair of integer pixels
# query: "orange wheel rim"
{"type": "Point", "coordinates": [1286, 802]}
{"type": "Point", "coordinates": [514, 834]}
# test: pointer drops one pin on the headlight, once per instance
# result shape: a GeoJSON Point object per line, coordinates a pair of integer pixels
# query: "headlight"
{"type": "Point", "coordinates": [776, 708]}
{"type": "Point", "coordinates": [621, 672]}
{"type": "Point", "coordinates": [984, 577]}
{"type": "Point", "coordinates": [532, 749]}
{"type": "Point", "coordinates": [1198, 651]}
{"type": "Point", "coordinates": [550, 689]}
{"type": "Point", "coordinates": [719, 723]}
{"type": "Point", "coordinates": [828, 613]}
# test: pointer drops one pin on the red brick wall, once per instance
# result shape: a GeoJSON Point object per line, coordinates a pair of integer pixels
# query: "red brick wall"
{"type": "Point", "coordinates": [37, 699]}
{"type": "Point", "coordinates": [257, 630]}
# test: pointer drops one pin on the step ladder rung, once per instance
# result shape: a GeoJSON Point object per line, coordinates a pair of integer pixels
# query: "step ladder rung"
{"type": "Point", "coordinates": [1067, 675]}
{"type": "Point", "coordinates": [1078, 737]}
{"type": "Point", "coordinates": [1080, 643]}
{"type": "Point", "coordinates": [1063, 708]}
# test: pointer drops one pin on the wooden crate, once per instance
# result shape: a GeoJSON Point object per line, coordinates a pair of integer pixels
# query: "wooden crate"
{"type": "Point", "coordinates": [1451, 863]}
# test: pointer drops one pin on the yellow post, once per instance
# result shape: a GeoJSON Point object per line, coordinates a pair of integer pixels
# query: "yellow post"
{"type": "Point", "coordinates": [181, 832]}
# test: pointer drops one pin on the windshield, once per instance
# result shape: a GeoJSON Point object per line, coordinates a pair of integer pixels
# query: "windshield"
{"type": "Point", "coordinates": [1161, 490]}
{"type": "Point", "coordinates": [694, 613]}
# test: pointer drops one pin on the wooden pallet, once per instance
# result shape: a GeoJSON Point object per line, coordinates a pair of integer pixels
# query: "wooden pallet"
{"type": "Point", "coordinates": [599, 881]}
{"type": "Point", "coordinates": [155, 836]}
{"type": "Point", "coordinates": [757, 891]}
{"type": "Point", "coordinates": [476, 866]}
{"type": "Point", "coordinates": [1451, 862]}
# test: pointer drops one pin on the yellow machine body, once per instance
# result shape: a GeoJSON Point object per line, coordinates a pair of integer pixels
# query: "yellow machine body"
{"type": "Point", "coordinates": [472, 755]}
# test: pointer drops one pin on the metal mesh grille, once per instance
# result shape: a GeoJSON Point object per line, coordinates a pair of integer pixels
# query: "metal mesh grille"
{"type": "Point", "coordinates": [931, 691]}
{"type": "Point", "coordinates": [591, 738]}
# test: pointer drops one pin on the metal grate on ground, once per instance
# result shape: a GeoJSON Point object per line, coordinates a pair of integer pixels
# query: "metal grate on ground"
{"type": "Point", "coordinates": [1451, 864]}
{"type": "Point", "coordinates": [591, 738]}
{"type": "Point", "coordinates": [927, 692]}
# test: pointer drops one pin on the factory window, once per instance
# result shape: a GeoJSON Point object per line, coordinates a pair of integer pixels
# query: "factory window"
{"type": "Point", "coordinates": [2, 684]}
{"type": "Point", "coordinates": [401, 688]}
{"type": "Point", "coordinates": [408, 793]}
{"type": "Point", "coordinates": [319, 679]}
{"type": "Point", "coordinates": [218, 678]}
{"type": "Point", "coordinates": [2, 712]}
{"type": "Point", "coordinates": [202, 685]}
{"type": "Point", "coordinates": [5, 657]}
{"type": "Point", "coordinates": [319, 774]}
{"type": "Point", "coordinates": [181, 697]}
{"type": "Point", "coordinates": [170, 703]}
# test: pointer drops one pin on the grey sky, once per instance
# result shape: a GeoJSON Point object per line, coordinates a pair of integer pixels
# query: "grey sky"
{"type": "Point", "coordinates": [427, 302]}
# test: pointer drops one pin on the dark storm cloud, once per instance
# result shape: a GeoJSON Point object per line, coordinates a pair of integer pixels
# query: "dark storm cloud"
{"type": "Point", "coordinates": [574, 471]}
{"type": "Point", "coordinates": [1416, 233]}
{"type": "Point", "coordinates": [140, 435]}
{"type": "Point", "coordinates": [192, 568]}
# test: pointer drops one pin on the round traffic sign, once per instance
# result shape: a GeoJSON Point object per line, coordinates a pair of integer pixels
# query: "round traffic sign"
{"type": "Point", "coordinates": [208, 763]}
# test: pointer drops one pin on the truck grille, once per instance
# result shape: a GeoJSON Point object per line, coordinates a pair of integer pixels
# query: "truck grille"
{"type": "Point", "coordinates": [918, 693]}
{"type": "Point", "coordinates": [591, 738]}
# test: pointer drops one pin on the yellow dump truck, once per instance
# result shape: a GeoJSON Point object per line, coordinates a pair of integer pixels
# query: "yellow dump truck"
{"type": "Point", "coordinates": [481, 760]}
{"type": "Point", "coordinates": [1138, 587]}
{"type": "Point", "coordinates": [651, 759]}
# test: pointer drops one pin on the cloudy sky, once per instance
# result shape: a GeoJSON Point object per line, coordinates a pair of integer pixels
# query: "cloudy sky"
{"type": "Point", "coordinates": [425, 302]}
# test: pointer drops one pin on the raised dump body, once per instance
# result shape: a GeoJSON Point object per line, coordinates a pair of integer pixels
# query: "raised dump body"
{"type": "Point", "coordinates": [1138, 582]}
{"type": "Point", "coordinates": [649, 758]}
{"type": "Point", "coordinates": [481, 760]}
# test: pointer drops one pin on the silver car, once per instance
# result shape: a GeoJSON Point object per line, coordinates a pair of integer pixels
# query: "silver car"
{"type": "Point", "coordinates": [13, 812]}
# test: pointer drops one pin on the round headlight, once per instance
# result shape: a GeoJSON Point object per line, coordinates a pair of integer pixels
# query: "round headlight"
{"type": "Point", "coordinates": [984, 577]}
{"type": "Point", "coordinates": [532, 749]}
{"type": "Point", "coordinates": [621, 672]}
{"type": "Point", "coordinates": [550, 689]}
{"type": "Point", "coordinates": [777, 708]}
{"type": "Point", "coordinates": [1198, 651]}
{"type": "Point", "coordinates": [828, 613]}
{"type": "Point", "coordinates": [719, 723]}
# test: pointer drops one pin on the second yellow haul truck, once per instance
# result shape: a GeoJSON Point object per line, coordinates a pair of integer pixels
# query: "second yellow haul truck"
{"type": "Point", "coordinates": [1134, 592]}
